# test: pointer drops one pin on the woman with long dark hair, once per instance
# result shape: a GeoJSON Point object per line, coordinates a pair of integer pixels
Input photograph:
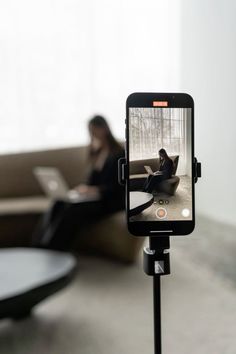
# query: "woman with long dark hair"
{"type": "Point", "coordinates": [101, 195]}
{"type": "Point", "coordinates": [165, 171]}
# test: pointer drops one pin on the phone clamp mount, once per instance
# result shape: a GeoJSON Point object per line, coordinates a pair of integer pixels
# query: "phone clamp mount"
{"type": "Point", "coordinates": [156, 257]}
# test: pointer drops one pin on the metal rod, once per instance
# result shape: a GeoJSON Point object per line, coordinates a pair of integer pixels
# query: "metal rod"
{"type": "Point", "coordinates": [157, 313]}
{"type": "Point", "coordinates": [158, 244]}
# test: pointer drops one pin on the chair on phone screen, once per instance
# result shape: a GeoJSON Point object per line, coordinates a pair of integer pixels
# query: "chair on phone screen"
{"type": "Point", "coordinates": [170, 185]}
{"type": "Point", "coordinates": [138, 176]}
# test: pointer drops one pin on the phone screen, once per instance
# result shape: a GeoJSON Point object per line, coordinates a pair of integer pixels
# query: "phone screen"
{"type": "Point", "coordinates": [160, 159]}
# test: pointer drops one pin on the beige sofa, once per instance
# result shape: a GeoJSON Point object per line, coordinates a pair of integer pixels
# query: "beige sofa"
{"type": "Point", "coordinates": [22, 203]}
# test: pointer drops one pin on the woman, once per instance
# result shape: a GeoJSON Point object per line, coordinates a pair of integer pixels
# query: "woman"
{"type": "Point", "coordinates": [165, 171]}
{"type": "Point", "coordinates": [102, 193]}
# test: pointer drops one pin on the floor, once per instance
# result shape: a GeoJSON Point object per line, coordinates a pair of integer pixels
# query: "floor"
{"type": "Point", "coordinates": [176, 203]}
{"type": "Point", "coordinates": [108, 308]}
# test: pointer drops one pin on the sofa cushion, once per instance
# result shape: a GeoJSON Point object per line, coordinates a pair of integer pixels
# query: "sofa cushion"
{"type": "Point", "coordinates": [141, 175]}
{"type": "Point", "coordinates": [110, 237]}
{"type": "Point", "coordinates": [169, 185]}
{"type": "Point", "coordinates": [21, 206]}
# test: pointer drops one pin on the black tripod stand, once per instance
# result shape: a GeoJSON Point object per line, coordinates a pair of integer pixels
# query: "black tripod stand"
{"type": "Point", "coordinates": [156, 262]}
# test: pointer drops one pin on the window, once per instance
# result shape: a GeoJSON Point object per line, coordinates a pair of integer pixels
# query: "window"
{"type": "Point", "coordinates": [155, 128]}
{"type": "Point", "coordinates": [62, 61]}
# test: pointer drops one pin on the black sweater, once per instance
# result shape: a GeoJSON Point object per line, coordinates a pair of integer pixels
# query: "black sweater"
{"type": "Point", "coordinates": [167, 168]}
{"type": "Point", "coordinates": [106, 179]}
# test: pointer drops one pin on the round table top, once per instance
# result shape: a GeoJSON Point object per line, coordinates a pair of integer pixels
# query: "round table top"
{"type": "Point", "coordinates": [139, 201]}
{"type": "Point", "coordinates": [24, 269]}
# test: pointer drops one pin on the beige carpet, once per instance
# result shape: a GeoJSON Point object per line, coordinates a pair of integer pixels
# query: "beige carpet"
{"type": "Point", "coordinates": [179, 201]}
{"type": "Point", "coordinates": [108, 309]}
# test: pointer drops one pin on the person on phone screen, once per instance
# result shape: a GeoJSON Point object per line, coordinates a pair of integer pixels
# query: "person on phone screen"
{"type": "Point", "coordinates": [165, 171]}
{"type": "Point", "coordinates": [102, 194]}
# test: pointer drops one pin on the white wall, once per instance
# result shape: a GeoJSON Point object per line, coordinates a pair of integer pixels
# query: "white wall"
{"type": "Point", "coordinates": [208, 73]}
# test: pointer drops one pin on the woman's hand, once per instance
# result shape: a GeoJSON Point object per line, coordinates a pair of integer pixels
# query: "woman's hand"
{"type": "Point", "coordinates": [87, 190]}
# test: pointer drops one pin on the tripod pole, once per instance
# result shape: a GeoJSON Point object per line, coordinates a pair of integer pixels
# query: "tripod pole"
{"type": "Point", "coordinates": [157, 313]}
{"type": "Point", "coordinates": [156, 263]}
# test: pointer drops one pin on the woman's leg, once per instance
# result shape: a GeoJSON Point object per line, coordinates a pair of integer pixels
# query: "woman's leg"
{"type": "Point", "coordinates": [146, 183]}
{"type": "Point", "coordinates": [42, 232]}
{"type": "Point", "coordinates": [153, 182]}
{"type": "Point", "coordinates": [62, 230]}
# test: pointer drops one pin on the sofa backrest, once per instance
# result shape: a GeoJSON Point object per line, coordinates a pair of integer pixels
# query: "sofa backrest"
{"type": "Point", "coordinates": [17, 179]}
{"type": "Point", "coordinates": [137, 166]}
{"type": "Point", "coordinates": [175, 160]}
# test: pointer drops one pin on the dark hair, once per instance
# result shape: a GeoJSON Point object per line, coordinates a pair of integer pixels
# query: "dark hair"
{"type": "Point", "coordinates": [100, 122]}
{"type": "Point", "coordinates": [164, 153]}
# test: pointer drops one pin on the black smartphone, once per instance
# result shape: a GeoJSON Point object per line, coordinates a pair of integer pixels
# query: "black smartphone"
{"type": "Point", "coordinates": [160, 164]}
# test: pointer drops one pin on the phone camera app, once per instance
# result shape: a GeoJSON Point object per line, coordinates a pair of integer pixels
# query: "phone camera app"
{"type": "Point", "coordinates": [160, 162]}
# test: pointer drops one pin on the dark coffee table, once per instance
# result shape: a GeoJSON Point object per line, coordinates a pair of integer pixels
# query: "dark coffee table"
{"type": "Point", "coordinates": [30, 275]}
{"type": "Point", "coordinates": [139, 201]}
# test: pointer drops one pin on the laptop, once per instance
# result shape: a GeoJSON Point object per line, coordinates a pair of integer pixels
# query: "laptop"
{"type": "Point", "coordinates": [150, 171]}
{"type": "Point", "coordinates": [55, 186]}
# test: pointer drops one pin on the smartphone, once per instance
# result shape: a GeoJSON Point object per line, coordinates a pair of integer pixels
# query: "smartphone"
{"type": "Point", "coordinates": [160, 164]}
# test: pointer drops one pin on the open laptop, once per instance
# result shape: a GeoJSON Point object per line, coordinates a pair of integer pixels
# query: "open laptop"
{"type": "Point", "coordinates": [150, 171]}
{"type": "Point", "coordinates": [55, 186]}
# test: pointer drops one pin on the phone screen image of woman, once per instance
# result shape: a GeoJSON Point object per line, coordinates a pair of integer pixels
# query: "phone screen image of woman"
{"type": "Point", "coordinates": [160, 164]}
